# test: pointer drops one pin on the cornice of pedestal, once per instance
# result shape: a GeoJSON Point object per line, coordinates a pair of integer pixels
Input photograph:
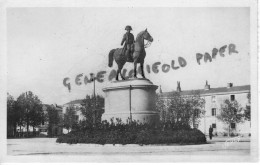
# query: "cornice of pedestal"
{"type": "Point", "coordinates": [131, 83]}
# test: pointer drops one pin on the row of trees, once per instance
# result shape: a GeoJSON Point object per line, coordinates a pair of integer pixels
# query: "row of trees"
{"type": "Point", "coordinates": [28, 111]}
{"type": "Point", "coordinates": [25, 111]}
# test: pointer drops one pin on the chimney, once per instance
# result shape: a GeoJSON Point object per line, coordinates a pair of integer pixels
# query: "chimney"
{"type": "Point", "coordinates": [229, 85]}
{"type": "Point", "coordinates": [207, 86]}
{"type": "Point", "coordinates": [178, 86]}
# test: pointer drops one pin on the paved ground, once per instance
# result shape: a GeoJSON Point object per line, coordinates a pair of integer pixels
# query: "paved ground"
{"type": "Point", "coordinates": [48, 146]}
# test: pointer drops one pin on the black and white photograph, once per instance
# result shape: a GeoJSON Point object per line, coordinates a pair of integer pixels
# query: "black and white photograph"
{"type": "Point", "coordinates": [129, 81]}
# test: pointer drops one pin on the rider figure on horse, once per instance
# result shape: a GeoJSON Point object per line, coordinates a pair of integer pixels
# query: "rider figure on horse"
{"type": "Point", "coordinates": [128, 38]}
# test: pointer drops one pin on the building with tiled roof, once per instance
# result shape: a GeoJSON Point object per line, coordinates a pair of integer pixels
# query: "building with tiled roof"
{"type": "Point", "coordinates": [213, 91]}
{"type": "Point", "coordinates": [74, 102]}
{"type": "Point", "coordinates": [214, 97]}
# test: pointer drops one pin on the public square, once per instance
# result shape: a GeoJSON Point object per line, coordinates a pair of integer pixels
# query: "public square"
{"type": "Point", "coordinates": [48, 146]}
{"type": "Point", "coordinates": [170, 77]}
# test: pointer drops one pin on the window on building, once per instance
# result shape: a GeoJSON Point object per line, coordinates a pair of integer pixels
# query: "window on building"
{"type": "Point", "coordinates": [233, 125]}
{"type": "Point", "coordinates": [213, 111]}
{"type": "Point", "coordinates": [213, 99]}
{"type": "Point", "coordinates": [214, 125]}
{"type": "Point", "coordinates": [232, 97]}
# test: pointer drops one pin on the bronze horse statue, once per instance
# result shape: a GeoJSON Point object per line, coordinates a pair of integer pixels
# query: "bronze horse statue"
{"type": "Point", "coordinates": [138, 54]}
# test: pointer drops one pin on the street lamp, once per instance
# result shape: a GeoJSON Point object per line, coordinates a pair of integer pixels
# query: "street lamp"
{"type": "Point", "coordinates": [93, 78]}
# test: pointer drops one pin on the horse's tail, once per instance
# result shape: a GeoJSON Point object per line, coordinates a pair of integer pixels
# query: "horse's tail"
{"type": "Point", "coordinates": [110, 57]}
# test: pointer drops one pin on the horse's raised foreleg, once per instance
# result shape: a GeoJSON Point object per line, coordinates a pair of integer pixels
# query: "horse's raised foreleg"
{"type": "Point", "coordinates": [142, 69]}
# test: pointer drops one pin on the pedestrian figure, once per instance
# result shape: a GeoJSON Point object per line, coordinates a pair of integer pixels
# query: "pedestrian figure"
{"type": "Point", "coordinates": [210, 132]}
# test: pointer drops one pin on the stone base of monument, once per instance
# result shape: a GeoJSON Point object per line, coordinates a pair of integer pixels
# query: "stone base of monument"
{"type": "Point", "coordinates": [132, 99]}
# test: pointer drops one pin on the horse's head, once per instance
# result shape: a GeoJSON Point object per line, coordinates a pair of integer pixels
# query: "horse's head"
{"type": "Point", "coordinates": [144, 35]}
{"type": "Point", "coordinates": [147, 36]}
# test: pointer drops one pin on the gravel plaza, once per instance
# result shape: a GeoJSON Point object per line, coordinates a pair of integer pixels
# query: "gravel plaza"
{"type": "Point", "coordinates": [48, 147]}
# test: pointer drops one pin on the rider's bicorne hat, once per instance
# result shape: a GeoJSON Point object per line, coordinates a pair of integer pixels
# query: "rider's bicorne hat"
{"type": "Point", "coordinates": [128, 27]}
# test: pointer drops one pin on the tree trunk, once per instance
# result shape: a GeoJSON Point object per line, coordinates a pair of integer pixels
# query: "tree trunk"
{"type": "Point", "coordinates": [229, 129]}
{"type": "Point", "coordinates": [14, 130]}
{"type": "Point", "coordinates": [27, 126]}
{"type": "Point", "coordinates": [20, 131]}
{"type": "Point", "coordinates": [50, 130]}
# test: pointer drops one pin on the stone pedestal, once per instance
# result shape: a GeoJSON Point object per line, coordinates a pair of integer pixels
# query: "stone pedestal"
{"type": "Point", "coordinates": [133, 98]}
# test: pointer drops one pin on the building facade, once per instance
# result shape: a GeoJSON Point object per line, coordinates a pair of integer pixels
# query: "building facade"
{"type": "Point", "coordinates": [214, 98]}
{"type": "Point", "coordinates": [76, 104]}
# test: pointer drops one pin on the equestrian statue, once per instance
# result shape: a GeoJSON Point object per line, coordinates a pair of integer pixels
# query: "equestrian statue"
{"type": "Point", "coordinates": [133, 51]}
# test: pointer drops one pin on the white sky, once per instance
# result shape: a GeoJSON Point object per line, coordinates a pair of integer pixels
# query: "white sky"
{"type": "Point", "coordinates": [45, 45]}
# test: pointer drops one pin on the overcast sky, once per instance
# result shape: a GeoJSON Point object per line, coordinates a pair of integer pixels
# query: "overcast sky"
{"type": "Point", "coordinates": [45, 45]}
